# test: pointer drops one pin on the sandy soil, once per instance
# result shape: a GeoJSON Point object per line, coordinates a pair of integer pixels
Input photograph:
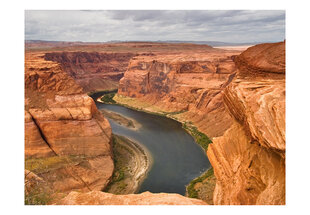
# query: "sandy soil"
{"type": "Point", "coordinates": [132, 162]}
{"type": "Point", "coordinates": [121, 120]}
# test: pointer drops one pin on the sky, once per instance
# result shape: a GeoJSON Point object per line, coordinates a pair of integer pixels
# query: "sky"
{"type": "Point", "coordinates": [234, 26]}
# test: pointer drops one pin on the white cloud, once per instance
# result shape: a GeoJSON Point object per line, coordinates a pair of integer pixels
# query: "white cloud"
{"type": "Point", "coordinates": [201, 25]}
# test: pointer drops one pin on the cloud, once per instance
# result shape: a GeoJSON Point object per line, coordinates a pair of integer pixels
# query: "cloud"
{"type": "Point", "coordinates": [199, 25]}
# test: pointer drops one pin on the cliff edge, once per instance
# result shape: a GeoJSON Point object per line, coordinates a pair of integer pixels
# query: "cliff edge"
{"type": "Point", "coordinates": [249, 159]}
{"type": "Point", "coordinates": [67, 140]}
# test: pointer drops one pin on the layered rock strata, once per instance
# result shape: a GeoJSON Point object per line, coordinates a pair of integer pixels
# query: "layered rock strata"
{"type": "Point", "coordinates": [249, 159]}
{"type": "Point", "coordinates": [93, 71]}
{"type": "Point", "coordinates": [237, 100]}
{"type": "Point", "coordinates": [190, 86]}
{"type": "Point", "coordinates": [240, 104]}
{"type": "Point", "coordinates": [60, 120]}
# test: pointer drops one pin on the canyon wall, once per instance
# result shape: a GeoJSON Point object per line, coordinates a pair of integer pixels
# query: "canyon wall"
{"type": "Point", "coordinates": [93, 71]}
{"type": "Point", "coordinates": [60, 120]}
{"type": "Point", "coordinates": [249, 159]}
{"type": "Point", "coordinates": [239, 101]}
{"type": "Point", "coordinates": [68, 142]}
{"type": "Point", "coordinates": [189, 86]}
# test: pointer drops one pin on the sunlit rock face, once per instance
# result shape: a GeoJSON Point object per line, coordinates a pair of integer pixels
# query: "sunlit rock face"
{"type": "Point", "coordinates": [190, 84]}
{"type": "Point", "coordinates": [238, 99]}
{"type": "Point", "coordinates": [60, 120]}
{"type": "Point", "coordinates": [146, 198]}
{"type": "Point", "coordinates": [249, 159]}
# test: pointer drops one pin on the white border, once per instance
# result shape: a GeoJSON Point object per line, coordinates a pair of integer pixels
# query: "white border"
{"type": "Point", "coordinates": [12, 42]}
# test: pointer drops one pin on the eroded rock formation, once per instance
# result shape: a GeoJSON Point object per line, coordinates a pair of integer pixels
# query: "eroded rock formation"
{"type": "Point", "coordinates": [249, 159]}
{"type": "Point", "coordinates": [146, 198]}
{"type": "Point", "coordinates": [93, 71]}
{"type": "Point", "coordinates": [60, 120]}
{"type": "Point", "coordinates": [237, 100]}
{"type": "Point", "coordinates": [190, 85]}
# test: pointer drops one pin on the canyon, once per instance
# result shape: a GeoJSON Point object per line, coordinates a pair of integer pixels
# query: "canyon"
{"type": "Point", "coordinates": [67, 140]}
{"type": "Point", "coordinates": [93, 71]}
{"type": "Point", "coordinates": [236, 99]}
{"type": "Point", "coordinates": [190, 84]}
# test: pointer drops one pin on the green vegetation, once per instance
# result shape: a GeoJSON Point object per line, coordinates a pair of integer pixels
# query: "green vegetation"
{"type": "Point", "coordinates": [40, 193]}
{"type": "Point", "coordinates": [121, 156]}
{"type": "Point", "coordinates": [102, 91]}
{"type": "Point", "coordinates": [38, 197]}
{"type": "Point", "coordinates": [191, 191]}
{"type": "Point", "coordinates": [200, 138]}
{"type": "Point", "coordinates": [108, 98]}
{"type": "Point", "coordinates": [176, 112]}
{"type": "Point", "coordinates": [137, 105]}
{"type": "Point", "coordinates": [38, 165]}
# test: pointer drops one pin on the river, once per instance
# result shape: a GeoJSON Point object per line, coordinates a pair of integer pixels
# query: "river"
{"type": "Point", "coordinates": [177, 159]}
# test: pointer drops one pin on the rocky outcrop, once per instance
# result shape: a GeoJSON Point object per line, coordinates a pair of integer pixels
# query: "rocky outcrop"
{"type": "Point", "coordinates": [93, 71]}
{"type": "Point", "coordinates": [267, 58]}
{"type": "Point", "coordinates": [146, 198]}
{"type": "Point", "coordinates": [237, 100]}
{"type": "Point", "coordinates": [85, 174]}
{"type": "Point", "coordinates": [58, 114]}
{"type": "Point", "coordinates": [60, 120]}
{"type": "Point", "coordinates": [73, 126]}
{"type": "Point", "coordinates": [189, 85]}
{"type": "Point", "coordinates": [249, 159]}
{"type": "Point", "coordinates": [35, 146]}
{"type": "Point", "coordinates": [31, 181]}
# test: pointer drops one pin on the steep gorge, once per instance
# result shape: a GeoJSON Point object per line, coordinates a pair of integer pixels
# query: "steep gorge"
{"type": "Point", "coordinates": [93, 71]}
{"type": "Point", "coordinates": [68, 142]}
{"type": "Point", "coordinates": [238, 101]}
{"type": "Point", "coordinates": [190, 86]}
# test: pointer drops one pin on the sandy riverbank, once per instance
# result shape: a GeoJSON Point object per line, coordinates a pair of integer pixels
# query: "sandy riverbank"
{"type": "Point", "coordinates": [132, 163]}
{"type": "Point", "coordinates": [121, 120]}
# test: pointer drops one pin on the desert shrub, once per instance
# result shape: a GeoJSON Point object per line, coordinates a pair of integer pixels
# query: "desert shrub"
{"type": "Point", "coordinates": [37, 196]}
{"type": "Point", "coordinates": [191, 191]}
{"type": "Point", "coordinates": [108, 98]}
{"type": "Point", "coordinates": [200, 138]}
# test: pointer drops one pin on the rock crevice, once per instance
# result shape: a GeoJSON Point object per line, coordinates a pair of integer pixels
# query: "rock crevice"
{"type": "Point", "coordinates": [63, 124]}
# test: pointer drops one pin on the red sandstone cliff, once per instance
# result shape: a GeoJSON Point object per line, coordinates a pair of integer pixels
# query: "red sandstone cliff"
{"type": "Point", "coordinates": [241, 104]}
{"type": "Point", "coordinates": [93, 71]}
{"type": "Point", "coordinates": [67, 142]}
{"type": "Point", "coordinates": [249, 159]}
{"type": "Point", "coordinates": [60, 120]}
{"type": "Point", "coordinates": [189, 84]}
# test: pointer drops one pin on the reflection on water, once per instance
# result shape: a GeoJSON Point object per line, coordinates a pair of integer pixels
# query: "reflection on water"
{"type": "Point", "coordinates": [177, 159]}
